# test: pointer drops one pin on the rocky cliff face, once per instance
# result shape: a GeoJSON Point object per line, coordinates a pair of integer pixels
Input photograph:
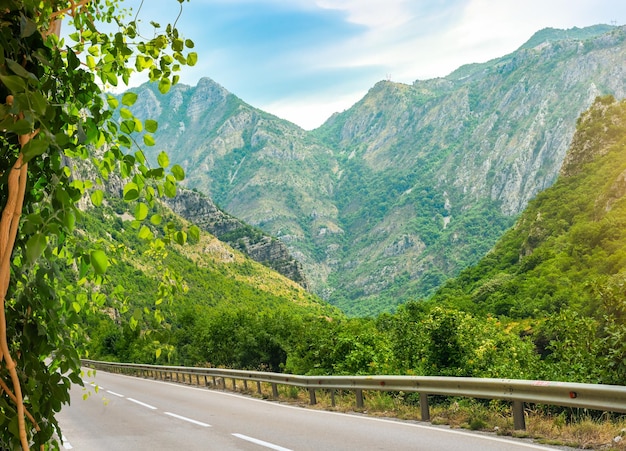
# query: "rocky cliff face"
{"type": "Point", "coordinates": [479, 143]}
{"type": "Point", "coordinates": [390, 198]}
{"type": "Point", "coordinates": [262, 248]}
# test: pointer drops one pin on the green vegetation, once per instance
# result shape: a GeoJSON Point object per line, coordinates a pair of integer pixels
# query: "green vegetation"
{"type": "Point", "coordinates": [545, 303]}
{"type": "Point", "coordinates": [230, 311]}
{"type": "Point", "coordinates": [60, 143]}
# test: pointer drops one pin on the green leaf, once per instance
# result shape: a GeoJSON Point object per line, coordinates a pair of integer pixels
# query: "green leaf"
{"type": "Point", "coordinates": [125, 113]}
{"type": "Point", "coordinates": [131, 191]}
{"type": "Point", "coordinates": [137, 314]}
{"type": "Point", "coordinates": [156, 219]}
{"type": "Point", "coordinates": [112, 102]}
{"type": "Point", "coordinates": [111, 77]}
{"type": "Point", "coordinates": [194, 233]}
{"type": "Point", "coordinates": [91, 62]}
{"type": "Point", "coordinates": [140, 157]}
{"type": "Point", "coordinates": [141, 211]}
{"type": "Point", "coordinates": [189, 44]}
{"type": "Point", "coordinates": [27, 27]}
{"type": "Point", "coordinates": [145, 233]}
{"type": "Point", "coordinates": [157, 352]}
{"type": "Point", "coordinates": [163, 159]}
{"type": "Point", "coordinates": [164, 85]}
{"type": "Point", "coordinates": [129, 98]}
{"type": "Point", "coordinates": [21, 127]}
{"type": "Point", "coordinates": [69, 220]}
{"type": "Point", "coordinates": [14, 83]}
{"type": "Point", "coordinates": [143, 62]}
{"type": "Point", "coordinates": [192, 59]}
{"type": "Point", "coordinates": [148, 140]}
{"type": "Point", "coordinates": [151, 125]}
{"type": "Point", "coordinates": [178, 172]}
{"type": "Point", "coordinates": [17, 69]}
{"type": "Point", "coordinates": [180, 237]}
{"type": "Point", "coordinates": [127, 126]}
{"type": "Point", "coordinates": [178, 45]}
{"type": "Point", "coordinates": [35, 246]}
{"type": "Point", "coordinates": [76, 306]}
{"type": "Point", "coordinates": [99, 261]}
{"type": "Point", "coordinates": [170, 189]}
{"type": "Point", "coordinates": [125, 141]}
{"type": "Point", "coordinates": [97, 196]}
{"type": "Point", "coordinates": [39, 102]}
{"type": "Point", "coordinates": [35, 147]}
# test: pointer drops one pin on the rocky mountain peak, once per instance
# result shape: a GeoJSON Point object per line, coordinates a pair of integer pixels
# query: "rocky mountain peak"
{"type": "Point", "coordinates": [391, 197]}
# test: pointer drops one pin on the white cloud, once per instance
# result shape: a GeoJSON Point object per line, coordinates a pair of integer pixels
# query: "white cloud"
{"type": "Point", "coordinates": [373, 13]}
{"type": "Point", "coordinates": [310, 112]}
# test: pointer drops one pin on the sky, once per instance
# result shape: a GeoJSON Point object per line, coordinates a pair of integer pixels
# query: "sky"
{"type": "Point", "coordinates": [303, 60]}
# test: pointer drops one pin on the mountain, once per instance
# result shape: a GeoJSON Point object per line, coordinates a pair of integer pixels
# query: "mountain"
{"type": "Point", "coordinates": [568, 248]}
{"type": "Point", "coordinates": [390, 198]}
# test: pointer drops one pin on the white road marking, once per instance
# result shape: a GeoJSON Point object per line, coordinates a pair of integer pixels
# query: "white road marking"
{"type": "Point", "coordinates": [261, 442]}
{"type": "Point", "coordinates": [180, 417]}
{"type": "Point", "coordinates": [115, 394]}
{"type": "Point", "coordinates": [142, 403]}
{"type": "Point", "coordinates": [66, 443]}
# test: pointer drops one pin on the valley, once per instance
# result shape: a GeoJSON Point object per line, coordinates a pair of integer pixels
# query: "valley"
{"type": "Point", "coordinates": [389, 199]}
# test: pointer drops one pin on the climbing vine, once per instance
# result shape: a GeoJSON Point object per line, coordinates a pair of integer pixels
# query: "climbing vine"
{"type": "Point", "coordinates": [62, 137]}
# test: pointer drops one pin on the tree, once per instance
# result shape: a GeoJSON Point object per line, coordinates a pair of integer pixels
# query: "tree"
{"type": "Point", "coordinates": [54, 112]}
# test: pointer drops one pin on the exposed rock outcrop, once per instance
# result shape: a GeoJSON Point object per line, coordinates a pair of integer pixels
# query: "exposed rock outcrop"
{"type": "Point", "coordinates": [262, 248]}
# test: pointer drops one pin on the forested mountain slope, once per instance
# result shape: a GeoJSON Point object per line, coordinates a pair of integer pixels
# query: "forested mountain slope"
{"type": "Point", "coordinates": [568, 248]}
{"type": "Point", "coordinates": [390, 198]}
{"type": "Point", "coordinates": [162, 305]}
{"type": "Point", "coordinates": [561, 269]}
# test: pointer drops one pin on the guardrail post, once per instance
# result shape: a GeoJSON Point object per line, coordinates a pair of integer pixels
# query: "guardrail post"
{"type": "Point", "coordinates": [332, 397]}
{"type": "Point", "coordinates": [312, 398]}
{"type": "Point", "coordinates": [274, 390]}
{"type": "Point", "coordinates": [359, 398]}
{"type": "Point", "coordinates": [245, 384]}
{"type": "Point", "coordinates": [234, 385]}
{"type": "Point", "coordinates": [214, 382]}
{"type": "Point", "coordinates": [519, 422]}
{"type": "Point", "coordinates": [258, 387]}
{"type": "Point", "coordinates": [424, 407]}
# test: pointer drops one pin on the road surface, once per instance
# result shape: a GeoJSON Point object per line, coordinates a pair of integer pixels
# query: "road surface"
{"type": "Point", "coordinates": [128, 413]}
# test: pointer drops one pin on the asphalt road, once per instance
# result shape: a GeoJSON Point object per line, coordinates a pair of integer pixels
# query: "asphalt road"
{"type": "Point", "coordinates": [127, 413]}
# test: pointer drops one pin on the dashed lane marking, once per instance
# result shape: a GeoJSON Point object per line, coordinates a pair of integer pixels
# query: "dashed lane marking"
{"type": "Point", "coordinates": [142, 403]}
{"type": "Point", "coordinates": [115, 394]}
{"type": "Point", "coordinates": [261, 442]}
{"type": "Point", "coordinates": [180, 417]}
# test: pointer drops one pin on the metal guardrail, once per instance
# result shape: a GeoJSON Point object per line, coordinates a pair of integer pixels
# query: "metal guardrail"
{"type": "Point", "coordinates": [609, 398]}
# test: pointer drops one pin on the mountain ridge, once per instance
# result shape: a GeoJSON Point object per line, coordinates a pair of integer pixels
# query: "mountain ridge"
{"type": "Point", "coordinates": [425, 177]}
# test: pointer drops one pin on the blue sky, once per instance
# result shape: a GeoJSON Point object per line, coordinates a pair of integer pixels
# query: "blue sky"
{"type": "Point", "coordinates": [303, 60]}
